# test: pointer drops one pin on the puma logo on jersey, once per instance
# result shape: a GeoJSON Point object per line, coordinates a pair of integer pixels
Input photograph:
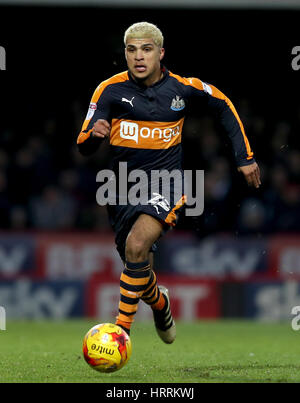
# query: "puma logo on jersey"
{"type": "Point", "coordinates": [127, 100]}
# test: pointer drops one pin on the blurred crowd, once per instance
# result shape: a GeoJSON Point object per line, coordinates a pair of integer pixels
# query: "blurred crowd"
{"type": "Point", "coordinates": [46, 184]}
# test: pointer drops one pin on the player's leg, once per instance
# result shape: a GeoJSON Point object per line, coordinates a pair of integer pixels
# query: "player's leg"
{"type": "Point", "coordinates": [137, 273]}
{"type": "Point", "coordinates": [158, 298]}
{"type": "Point", "coordinates": [144, 232]}
{"type": "Point", "coordinates": [138, 280]}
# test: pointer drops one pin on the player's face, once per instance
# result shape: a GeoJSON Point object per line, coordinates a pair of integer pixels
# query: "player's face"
{"type": "Point", "coordinates": [143, 60]}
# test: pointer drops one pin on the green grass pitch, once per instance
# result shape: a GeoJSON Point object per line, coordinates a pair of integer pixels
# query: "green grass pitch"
{"type": "Point", "coordinates": [206, 351]}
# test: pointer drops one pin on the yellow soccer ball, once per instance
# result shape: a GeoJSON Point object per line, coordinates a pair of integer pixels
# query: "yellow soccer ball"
{"type": "Point", "coordinates": [106, 347]}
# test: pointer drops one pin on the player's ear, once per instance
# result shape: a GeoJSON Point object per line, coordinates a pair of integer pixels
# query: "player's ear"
{"type": "Point", "coordinates": [162, 53]}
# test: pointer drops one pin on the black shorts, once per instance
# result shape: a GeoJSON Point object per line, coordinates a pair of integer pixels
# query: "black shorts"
{"type": "Point", "coordinates": [122, 218]}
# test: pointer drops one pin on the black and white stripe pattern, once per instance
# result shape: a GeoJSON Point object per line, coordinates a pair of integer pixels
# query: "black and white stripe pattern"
{"type": "Point", "coordinates": [163, 319]}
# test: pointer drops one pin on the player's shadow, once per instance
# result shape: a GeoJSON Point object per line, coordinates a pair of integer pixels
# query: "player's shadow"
{"type": "Point", "coordinates": [208, 373]}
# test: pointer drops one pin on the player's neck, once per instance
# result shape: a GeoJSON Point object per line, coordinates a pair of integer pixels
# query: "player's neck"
{"type": "Point", "coordinates": [150, 80]}
{"type": "Point", "coordinates": [153, 80]}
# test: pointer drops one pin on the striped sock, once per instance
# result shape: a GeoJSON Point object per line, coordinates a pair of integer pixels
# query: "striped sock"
{"type": "Point", "coordinates": [137, 282]}
{"type": "Point", "coordinates": [152, 295]}
{"type": "Point", "coordinates": [133, 282]}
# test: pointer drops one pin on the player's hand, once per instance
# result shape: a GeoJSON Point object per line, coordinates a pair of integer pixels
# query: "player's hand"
{"type": "Point", "coordinates": [101, 129]}
{"type": "Point", "coordinates": [252, 174]}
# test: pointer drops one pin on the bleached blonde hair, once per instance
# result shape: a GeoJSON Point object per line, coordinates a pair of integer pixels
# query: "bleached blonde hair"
{"type": "Point", "coordinates": [144, 30]}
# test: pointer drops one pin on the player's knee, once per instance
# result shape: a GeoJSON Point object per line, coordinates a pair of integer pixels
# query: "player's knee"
{"type": "Point", "coordinates": [136, 250]}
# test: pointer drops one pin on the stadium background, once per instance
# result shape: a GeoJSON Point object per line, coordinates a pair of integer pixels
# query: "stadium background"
{"type": "Point", "coordinates": [241, 258]}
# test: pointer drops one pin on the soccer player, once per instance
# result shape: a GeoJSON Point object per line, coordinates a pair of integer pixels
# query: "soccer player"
{"type": "Point", "coordinates": [141, 111]}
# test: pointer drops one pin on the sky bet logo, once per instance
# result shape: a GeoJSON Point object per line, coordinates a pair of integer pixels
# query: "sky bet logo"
{"type": "Point", "coordinates": [2, 58]}
{"type": "Point", "coordinates": [296, 59]}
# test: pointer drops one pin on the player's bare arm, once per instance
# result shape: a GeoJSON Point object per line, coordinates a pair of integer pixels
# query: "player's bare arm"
{"type": "Point", "coordinates": [252, 174]}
